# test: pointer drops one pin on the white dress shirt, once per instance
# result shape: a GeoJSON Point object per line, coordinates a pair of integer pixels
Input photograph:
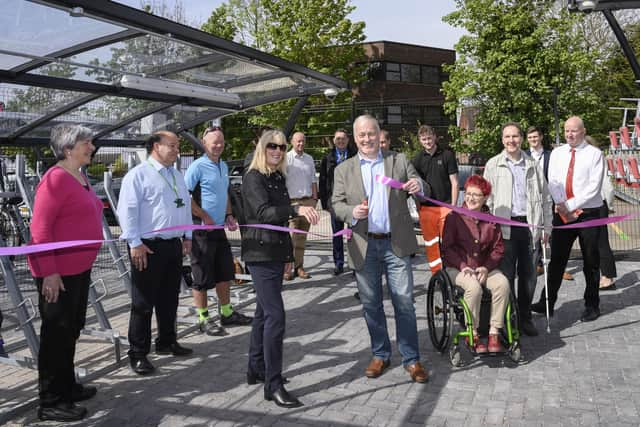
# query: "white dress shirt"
{"type": "Point", "coordinates": [301, 175]}
{"type": "Point", "coordinates": [587, 176]}
{"type": "Point", "coordinates": [148, 202]}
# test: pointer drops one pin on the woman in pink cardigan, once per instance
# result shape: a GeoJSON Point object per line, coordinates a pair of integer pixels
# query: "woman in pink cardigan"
{"type": "Point", "coordinates": [471, 251]}
{"type": "Point", "coordinates": [66, 208]}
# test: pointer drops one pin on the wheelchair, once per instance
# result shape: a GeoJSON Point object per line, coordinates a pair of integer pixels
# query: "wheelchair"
{"type": "Point", "coordinates": [446, 306]}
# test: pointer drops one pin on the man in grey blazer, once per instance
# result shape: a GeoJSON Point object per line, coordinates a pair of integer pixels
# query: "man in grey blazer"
{"type": "Point", "coordinates": [383, 236]}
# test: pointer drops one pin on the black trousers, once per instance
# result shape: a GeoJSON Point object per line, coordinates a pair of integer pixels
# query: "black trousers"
{"type": "Point", "coordinates": [62, 322]}
{"type": "Point", "coordinates": [156, 287]}
{"type": "Point", "coordinates": [561, 242]}
{"type": "Point", "coordinates": [267, 331]}
{"type": "Point", "coordinates": [518, 261]}
{"type": "Point", "coordinates": [607, 262]}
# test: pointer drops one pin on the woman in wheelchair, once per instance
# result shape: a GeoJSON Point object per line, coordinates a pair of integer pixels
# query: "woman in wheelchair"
{"type": "Point", "coordinates": [471, 251]}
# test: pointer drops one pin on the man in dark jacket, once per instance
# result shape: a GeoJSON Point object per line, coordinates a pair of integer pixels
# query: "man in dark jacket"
{"type": "Point", "coordinates": [342, 150]}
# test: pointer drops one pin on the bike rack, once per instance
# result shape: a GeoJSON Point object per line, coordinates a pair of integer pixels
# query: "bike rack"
{"type": "Point", "coordinates": [22, 312]}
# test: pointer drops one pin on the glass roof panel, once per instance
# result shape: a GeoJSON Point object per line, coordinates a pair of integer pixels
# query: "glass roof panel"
{"type": "Point", "coordinates": [223, 72]}
{"type": "Point", "coordinates": [24, 104]}
{"type": "Point", "coordinates": [148, 54]}
{"type": "Point", "coordinates": [252, 92]}
{"type": "Point", "coordinates": [170, 118]}
{"type": "Point", "coordinates": [40, 30]}
{"type": "Point", "coordinates": [98, 115]}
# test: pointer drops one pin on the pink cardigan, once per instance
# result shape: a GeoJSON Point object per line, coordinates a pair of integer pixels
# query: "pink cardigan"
{"type": "Point", "coordinates": [64, 210]}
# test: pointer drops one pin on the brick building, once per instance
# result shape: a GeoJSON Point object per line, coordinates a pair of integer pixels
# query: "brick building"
{"type": "Point", "coordinates": [404, 86]}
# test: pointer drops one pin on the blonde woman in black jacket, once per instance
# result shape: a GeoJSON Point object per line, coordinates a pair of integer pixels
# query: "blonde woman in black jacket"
{"type": "Point", "coordinates": [266, 252]}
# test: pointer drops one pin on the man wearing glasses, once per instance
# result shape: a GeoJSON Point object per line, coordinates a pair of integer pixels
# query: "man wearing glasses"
{"type": "Point", "coordinates": [212, 264]}
{"type": "Point", "coordinates": [302, 185]}
{"type": "Point", "coordinates": [519, 193]}
{"type": "Point", "coordinates": [153, 196]}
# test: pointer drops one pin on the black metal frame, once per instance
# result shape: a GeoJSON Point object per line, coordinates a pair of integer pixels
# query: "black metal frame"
{"type": "Point", "coordinates": [606, 7]}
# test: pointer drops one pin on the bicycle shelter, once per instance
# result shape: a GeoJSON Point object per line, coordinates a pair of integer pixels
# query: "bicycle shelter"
{"type": "Point", "coordinates": [125, 73]}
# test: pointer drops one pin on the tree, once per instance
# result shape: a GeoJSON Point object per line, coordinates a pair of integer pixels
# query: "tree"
{"type": "Point", "coordinates": [315, 33]}
{"type": "Point", "coordinates": [517, 53]}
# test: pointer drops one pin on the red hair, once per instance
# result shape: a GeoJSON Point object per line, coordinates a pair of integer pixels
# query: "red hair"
{"type": "Point", "coordinates": [480, 182]}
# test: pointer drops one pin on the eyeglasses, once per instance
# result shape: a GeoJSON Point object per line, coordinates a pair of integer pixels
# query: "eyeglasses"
{"type": "Point", "coordinates": [474, 195]}
{"type": "Point", "coordinates": [274, 146]}
{"type": "Point", "coordinates": [211, 129]}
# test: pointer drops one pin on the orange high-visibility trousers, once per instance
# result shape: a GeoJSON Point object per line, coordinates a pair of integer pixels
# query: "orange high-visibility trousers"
{"type": "Point", "coordinates": [432, 225]}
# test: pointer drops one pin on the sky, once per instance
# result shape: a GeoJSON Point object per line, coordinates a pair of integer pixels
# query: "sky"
{"type": "Point", "coordinates": [410, 21]}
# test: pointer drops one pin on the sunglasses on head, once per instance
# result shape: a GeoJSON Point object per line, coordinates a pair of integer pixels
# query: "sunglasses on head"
{"type": "Point", "coordinates": [274, 146]}
{"type": "Point", "coordinates": [211, 129]}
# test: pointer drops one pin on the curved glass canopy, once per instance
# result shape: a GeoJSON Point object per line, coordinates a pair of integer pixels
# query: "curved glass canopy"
{"type": "Point", "coordinates": [127, 73]}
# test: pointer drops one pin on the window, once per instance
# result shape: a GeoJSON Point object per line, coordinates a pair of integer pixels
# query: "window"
{"type": "Point", "coordinates": [434, 116]}
{"type": "Point", "coordinates": [411, 115]}
{"type": "Point", "coordinates": [430, 74]}
{"type": "Point", "coordinates": [394, 115]}
{"type": "Point", "coordinates": [393, 72]}
{"type": "Point", "coordinates": [410, 73]}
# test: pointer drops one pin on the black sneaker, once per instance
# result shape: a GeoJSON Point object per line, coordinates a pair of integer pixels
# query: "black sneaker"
{"type": "Point", "coordinates": [174, 349]}
{"type": "Point", "coordinates": [62, 411]}
{"type": "Point", "coordinates": [210, 327]}
{"type": "Point", "coordinates": [590, 314]}
{"type": "Point", "coordinates": [236, 319]}
{"type": "Point", "coordinates": [528, 328]}
{"type": "Point", "coordinates": [80, 392]}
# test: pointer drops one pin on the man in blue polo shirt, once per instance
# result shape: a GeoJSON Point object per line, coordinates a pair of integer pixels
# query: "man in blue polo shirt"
{"type": "Point", "coordinates": [211, 259]}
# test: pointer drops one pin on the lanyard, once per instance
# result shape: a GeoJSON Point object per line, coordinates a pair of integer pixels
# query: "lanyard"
{"type": "Point", "coordinates": [178, 201]}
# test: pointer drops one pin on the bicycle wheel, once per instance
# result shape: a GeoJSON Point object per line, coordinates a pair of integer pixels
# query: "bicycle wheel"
{"type": "Point", "coordinates": [8, 229]}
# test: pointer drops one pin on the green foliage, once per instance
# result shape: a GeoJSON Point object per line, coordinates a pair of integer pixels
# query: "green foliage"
{"type": "Point", "coordinates": [96, 170]}
{"type": "Point", "coordinates": [119, 168]}
{"type": "Point", "coordinates": [514, 56]}
{"type": "Point", "coordinates": [315, 33]}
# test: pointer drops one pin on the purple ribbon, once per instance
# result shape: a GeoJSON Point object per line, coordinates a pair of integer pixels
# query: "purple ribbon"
{"type": "Point", "coordinates": [45, 247]}
{"type": "Point", "coordinates": [499, 220]}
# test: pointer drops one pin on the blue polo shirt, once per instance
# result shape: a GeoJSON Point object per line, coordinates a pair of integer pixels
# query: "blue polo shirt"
{"type": "Point", "coordinates": [213, 180]}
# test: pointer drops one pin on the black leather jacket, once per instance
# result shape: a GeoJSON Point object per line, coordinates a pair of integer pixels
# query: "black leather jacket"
{"type": "Point", "coordinates": [266, 201]}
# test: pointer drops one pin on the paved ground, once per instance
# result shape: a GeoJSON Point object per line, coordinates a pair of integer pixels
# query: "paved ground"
{"type": "Point", "coordinates": [579, 374]}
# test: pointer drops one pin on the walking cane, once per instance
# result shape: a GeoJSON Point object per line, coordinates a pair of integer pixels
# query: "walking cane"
{"type": "Point", "coordinates": [546, 289]}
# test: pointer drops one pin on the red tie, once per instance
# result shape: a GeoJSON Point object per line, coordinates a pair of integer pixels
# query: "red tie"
{"type": "Point", "coordinates": [569, 183]}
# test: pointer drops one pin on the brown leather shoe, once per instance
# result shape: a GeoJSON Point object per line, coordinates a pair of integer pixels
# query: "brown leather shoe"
{"type": "Point", "coordinates": [376, 367]}
{"type": "Point", "coordinates": [288, 276]}
{"type": "Point", "coordinates": [567, 276]}
{"type": "Point", "coordinates": [302, 274]}
{"type": "Point", "coordinates": [417, 372]}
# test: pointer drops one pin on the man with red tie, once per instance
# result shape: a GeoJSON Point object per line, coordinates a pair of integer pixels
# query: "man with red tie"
{"type": "Point", "coordinates": [575, 180]}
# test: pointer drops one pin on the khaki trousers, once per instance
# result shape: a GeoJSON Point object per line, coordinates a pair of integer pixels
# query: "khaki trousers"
{"type": "Point", "coordinates": [298, 239]}
{"type": "Point", "coordinates": [497, 283]}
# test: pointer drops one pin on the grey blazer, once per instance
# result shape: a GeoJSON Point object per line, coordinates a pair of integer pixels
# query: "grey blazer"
{"type": "Point", "coordinates": [348, 192]}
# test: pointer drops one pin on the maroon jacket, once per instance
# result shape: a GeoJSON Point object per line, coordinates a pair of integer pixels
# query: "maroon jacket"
{"type": "Point", "coordinates": [468, 242]}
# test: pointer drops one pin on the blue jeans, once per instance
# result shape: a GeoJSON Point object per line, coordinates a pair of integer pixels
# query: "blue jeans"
{"type": "Point", "coordinates": [400, 283]}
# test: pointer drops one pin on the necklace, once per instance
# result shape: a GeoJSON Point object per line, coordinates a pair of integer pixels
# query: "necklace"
{"type": "Point", "coordinates": [178, 201]}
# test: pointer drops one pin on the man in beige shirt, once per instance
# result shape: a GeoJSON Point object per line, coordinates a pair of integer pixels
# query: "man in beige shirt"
{"type": "Point", "coordinates": [302, 185]}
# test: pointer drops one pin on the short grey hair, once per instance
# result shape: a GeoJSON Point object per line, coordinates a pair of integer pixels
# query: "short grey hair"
{"type": "Point", "coordinates": [365, 118]}
{"type": "Point", "coordinates": [66, 136]}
